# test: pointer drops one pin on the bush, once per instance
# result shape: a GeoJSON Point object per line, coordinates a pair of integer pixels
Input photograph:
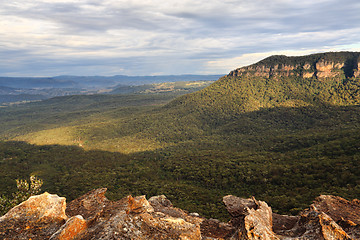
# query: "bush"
{"type": "Point", "coordinates": [25, 190]}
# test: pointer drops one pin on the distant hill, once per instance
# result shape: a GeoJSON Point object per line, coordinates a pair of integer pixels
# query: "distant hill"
{"type": "Point", "coordinates": [89, 82]}
{"type": "Point", "coordinates": [28, 89]}
{"type": "Point", "coordinates": [167, 87]}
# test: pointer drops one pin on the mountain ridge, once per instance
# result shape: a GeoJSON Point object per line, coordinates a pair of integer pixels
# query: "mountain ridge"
{"type": "Point", "coordinates": [292, 82]}
{"type": "Point", "coordinates": [320, 65]}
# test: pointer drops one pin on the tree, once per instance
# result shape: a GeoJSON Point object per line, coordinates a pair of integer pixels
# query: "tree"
{"type": "Point", "coordinates": [24, 191]}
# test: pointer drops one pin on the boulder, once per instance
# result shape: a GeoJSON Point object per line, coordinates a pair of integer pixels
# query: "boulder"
{"type": "Point", "coordinates": [39, 217]}
{"type": "Point", "coordinates": [252, 218]}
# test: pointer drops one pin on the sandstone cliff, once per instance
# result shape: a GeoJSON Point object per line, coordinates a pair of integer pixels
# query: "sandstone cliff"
{"type": "Point", "coordinates": [93, 216]}
{"type": "Point", "coordinates": [320, 66]}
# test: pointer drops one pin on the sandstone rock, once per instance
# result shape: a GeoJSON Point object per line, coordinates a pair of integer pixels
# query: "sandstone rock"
{"type": "Point", "coordinates": [133, 218]}
{"type": "Point", "coordinates": [238, 207]}
{"type": "Point", "coordinates": [338, 208]}
{"type": "Point", "coordinates": [214, 229]}
{"type": "Point", "coordinates": [159, 202]}
{"type": "Point", "coordinates": [283, 223]}
{"type": "Point", "coordinates": [89, 206]}
{"type": "Point", "coordinates": [252, 218]}
{"type": "Point", "coordinates": [43, 217]}
{"type": "Point", "coordinates": [71, 229]}
{"type": "Point", "coordinates": [314, 225]}
{"type": "Point", "coordinates": [37, 218]}
{"type": "Point", "coordinates": [139, 205]}
{"type": "Point", "coordinates": [343, 212]}
{"type": "Point", "coordinates": [162, 204]}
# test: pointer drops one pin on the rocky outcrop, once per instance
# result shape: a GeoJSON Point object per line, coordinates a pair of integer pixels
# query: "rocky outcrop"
{"type": "Point", "coordinates": [320, 66]}
{"type": "Point", "coordinates": [93, 216]}
{"type": "Point", "coordinates": [251, 218]}
{"type": "Point", "coordinates": [37, 218]}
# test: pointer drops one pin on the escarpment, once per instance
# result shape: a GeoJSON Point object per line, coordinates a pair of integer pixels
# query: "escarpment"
{"type": "Point", "coordinates": [319, 66]}
{"type": "Point", "coordinates": [93, 216]}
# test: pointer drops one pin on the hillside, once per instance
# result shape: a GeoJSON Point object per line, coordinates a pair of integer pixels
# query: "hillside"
{"type": "Point", "coordinates": [279, 130]}
{"type": "Point", "coordinates": [280, 81]}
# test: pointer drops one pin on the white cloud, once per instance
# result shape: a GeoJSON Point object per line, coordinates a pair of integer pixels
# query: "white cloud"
{"type": "Point", "coordinates": [196, 36]}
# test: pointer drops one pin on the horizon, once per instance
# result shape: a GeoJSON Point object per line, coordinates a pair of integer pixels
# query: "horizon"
{"type": "Point", "coordinates": [152, 38]}
{"type": "Point", "coordinates": [109, 76]}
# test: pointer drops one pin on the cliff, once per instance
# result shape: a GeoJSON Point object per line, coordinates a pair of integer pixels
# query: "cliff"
{"type": "Point", "coordinates": [93, 216]}
{"type": "Point", "coordinates": [279, 81]}
{"type": "Point", "coordinates": [320, 66]}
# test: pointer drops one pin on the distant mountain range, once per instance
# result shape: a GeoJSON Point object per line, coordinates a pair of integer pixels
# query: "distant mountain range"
{"type": "Point", "coordinates": [23, 89]}
{"type": "Point", "coordinates": [91, 82]}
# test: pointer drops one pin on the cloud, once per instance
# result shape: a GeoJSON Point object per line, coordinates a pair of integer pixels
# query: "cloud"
{"type": "Point", "coordinates": [173, 37]}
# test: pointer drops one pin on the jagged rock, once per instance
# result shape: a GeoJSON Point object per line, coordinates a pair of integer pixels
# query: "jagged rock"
{"type": "Point", "coordinates": [71, 229]}
{"type": "Point", "coordinates": [314, 225]}
{"type": "Point", "coordinates": [139, 205]}
{"type": "Point", "coordinates": [164, 205]}
{"type": "Point", "coordinates": [135, 218]}
{"type": "Point", "coordinates": [39, 217]}
{"type": "Point", "coordinates": [338, 208]}
{"type": "Point", "coordinates": [159, 202]}
{"type": "Point", "coordinates": [328, 218]}
{"type": "Point", "coordinates": [343, 212]}
{"type": "Point", "coordinates": [252, 218]}
{"type": "Point", "coordinates": [93, 216]}
{"type": "Point", "coordinates": [89, 206]}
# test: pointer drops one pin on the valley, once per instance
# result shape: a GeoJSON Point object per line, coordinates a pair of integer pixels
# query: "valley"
{"type": "Point", "coordinates": [284, 136]}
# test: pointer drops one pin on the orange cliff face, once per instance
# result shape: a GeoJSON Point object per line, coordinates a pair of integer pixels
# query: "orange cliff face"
{"type": "Point", "coordinates": [320, 69]}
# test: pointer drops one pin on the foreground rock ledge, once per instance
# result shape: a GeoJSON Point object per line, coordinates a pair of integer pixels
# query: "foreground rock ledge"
{"type": "Point", "coordinates": [93, 216]}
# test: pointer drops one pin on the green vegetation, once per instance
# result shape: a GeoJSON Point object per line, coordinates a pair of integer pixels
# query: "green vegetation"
{"type": "Point", "coordinates": [337, 57]}
{"type": "Point", "coordinates": [283, 140]}
{"type": "Point", "coordinates": [24, 191]}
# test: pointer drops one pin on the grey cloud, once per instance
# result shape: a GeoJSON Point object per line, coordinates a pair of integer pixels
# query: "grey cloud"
{"type": "Point", "coordinates": [168, 36]}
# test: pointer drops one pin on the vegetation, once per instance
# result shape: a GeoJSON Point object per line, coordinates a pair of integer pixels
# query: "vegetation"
{"type": "Point", "coordinates": [337, 57]}
{"type": "Point", "coordinates": [24, 191]}
{"type": "Point", "coordinates": [283, 140]}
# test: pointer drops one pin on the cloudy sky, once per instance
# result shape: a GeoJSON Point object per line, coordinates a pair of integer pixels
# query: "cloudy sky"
{"type": "Point", "coordinates": [154, 37]}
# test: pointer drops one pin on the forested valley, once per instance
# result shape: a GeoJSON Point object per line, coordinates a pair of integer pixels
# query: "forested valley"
{"type": "Point", "coordinates": [282, 139]}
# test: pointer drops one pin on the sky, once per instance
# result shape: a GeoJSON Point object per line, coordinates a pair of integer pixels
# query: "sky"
{"type": "Point", "coordinates": [162, 37]}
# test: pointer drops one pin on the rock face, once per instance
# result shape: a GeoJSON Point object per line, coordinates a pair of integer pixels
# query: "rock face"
{"type": "Point", "coordinates": [93, 216]}
{"type": "Point", "coordinates": [319, 66]}
{"type": "Point", "coordinates": [37, 218]}
{"type": "Point", "coordinates": [252, 218]}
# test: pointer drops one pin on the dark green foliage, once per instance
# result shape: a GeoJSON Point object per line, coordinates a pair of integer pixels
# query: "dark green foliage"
{"type": "Point", "coordinates": [284, 156]}
{"type": "Point", "coordinates": [338, 57]}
